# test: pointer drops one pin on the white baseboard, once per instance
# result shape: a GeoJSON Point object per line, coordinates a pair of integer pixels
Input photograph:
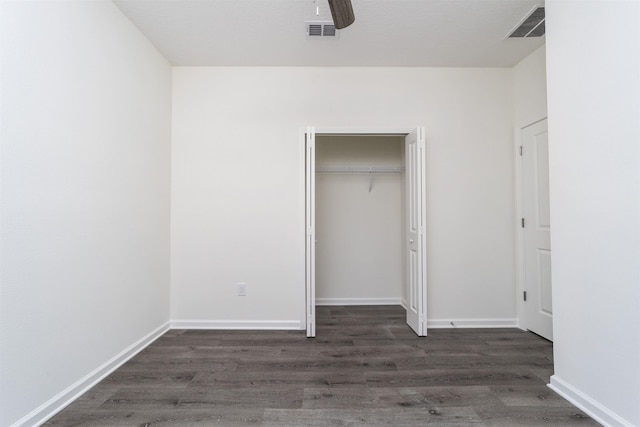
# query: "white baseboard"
{"type": "Point", "coordinates": [71, 393]}
{"type": "Point", "coordinates": [592, 408]}
{"type": "Point", "coordinates": [293, 325]}
{"type": "Point", "coordinates": [471, 323]}
{"type": "Point", "coordinates": [358, 301]}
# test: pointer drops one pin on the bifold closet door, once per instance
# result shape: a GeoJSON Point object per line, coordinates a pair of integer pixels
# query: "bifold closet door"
{"type": "Point", "coordinates": [415, 233]}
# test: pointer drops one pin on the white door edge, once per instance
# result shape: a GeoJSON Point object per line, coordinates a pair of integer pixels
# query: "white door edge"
{"type": "Point", "coordinates": [310, 260]}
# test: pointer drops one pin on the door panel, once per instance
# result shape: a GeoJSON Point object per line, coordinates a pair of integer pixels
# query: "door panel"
{"type": "Point", "coordinates": [537, 231]}
{"type": "Point", "coordinates": [541, 170]}
{"type": "Point", "coordinates": [415, 236]}
{"type": "Point", "coordinates": [544, 265]}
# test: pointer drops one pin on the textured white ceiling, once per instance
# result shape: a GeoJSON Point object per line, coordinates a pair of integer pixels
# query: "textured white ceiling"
{"type": "Point", "coordinates": [430, 33]}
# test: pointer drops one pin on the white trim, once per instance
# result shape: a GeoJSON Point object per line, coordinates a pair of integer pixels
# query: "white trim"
{"type": "Point", "coordinates": [363, 131]}
{"type": "Point", "coordinates": [592, 408]}
{"type": "Point", "coordinates": [302, 146]}
{"type": "Point", "coordinates": [422, 160]}
{"type": "Point", "coordinates": [472, 323]}
{"type": "Point", "coordinates": [273, 325]}
{"type": "Point", "coordinates": [519, 212]}
{"type": "Point", "coordinates": [309, 314]}
{"type": "Point", "coordinates": [358, 301]}
{"type": "Point", "coordinates": [71, 393]}
{"type": "Point", "coordinates": [310, 231]}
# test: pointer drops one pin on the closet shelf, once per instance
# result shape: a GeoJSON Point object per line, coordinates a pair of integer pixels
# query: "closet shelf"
{"type": "Point", "coordinates": [360, 170]}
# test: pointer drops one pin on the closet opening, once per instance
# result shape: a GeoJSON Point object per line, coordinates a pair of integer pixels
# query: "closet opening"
{"type": "Point", "coordinates": [365, 242]}
{"type": "Point", "coordinates": [359, 215]}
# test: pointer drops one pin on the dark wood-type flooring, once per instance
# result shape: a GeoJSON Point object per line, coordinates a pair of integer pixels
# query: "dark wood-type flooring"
{"type": "Point", "coordinates": [365, 368]}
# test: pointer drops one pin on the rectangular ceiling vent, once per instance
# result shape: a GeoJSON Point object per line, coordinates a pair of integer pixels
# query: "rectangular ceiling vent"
{"type": "Point", "coordinates": [321, 29]}
{"type": "Point", "coordinates": [531, 26]}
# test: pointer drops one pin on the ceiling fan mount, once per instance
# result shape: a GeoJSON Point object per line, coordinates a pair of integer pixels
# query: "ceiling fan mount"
{"type": "Point", "coordinates": [342, 13]}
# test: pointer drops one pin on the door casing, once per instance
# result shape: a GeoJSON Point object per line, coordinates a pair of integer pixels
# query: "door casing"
{"type": "Point", "coordinates": [308, 210]}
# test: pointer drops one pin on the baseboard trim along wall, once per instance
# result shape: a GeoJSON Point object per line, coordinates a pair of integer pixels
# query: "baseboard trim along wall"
{"type": "Point", "coordinates": [592, 408]}
{"type": "Point", "coordinates": [71, 393]}
{"type": "Point", "coordinates": [286, 325]}
{"type": "Point", "coordinates": [358, 301]}
{"type": "Point", "coordinates": [471, 323]}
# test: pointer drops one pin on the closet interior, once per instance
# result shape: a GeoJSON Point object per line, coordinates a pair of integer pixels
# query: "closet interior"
{"type": "Point", "coordinates": [360, 213]}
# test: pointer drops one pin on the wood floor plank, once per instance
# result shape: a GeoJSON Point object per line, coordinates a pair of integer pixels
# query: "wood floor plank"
{"type": "Point", "coordinates": [205, 396]}
{"type": "Point", "coordinates": [458, 396]}
{"type": "Point", "coordinates": [365, 368]}
{"type": "Point", "coordinates": [372, 417]}
{"type": "Point", "coordinates": [224, 417]}
{"type": "Point", "coordinates": [343, 364]}
{"type": "Point", "coordinates": [523, 395]}
{"type": "Point", "coordinates": [463, 377]}
{"type": "Point", "coordinates": [351, 397]}
{"type": "Point", "coordinates": [267, 380]}
{"type": "Point", "coordinates": [532, 416]}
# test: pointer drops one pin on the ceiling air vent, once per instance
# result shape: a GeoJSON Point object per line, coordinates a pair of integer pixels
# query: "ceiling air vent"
{"type": "Point", "coordinates": [531, 26]}
{"type": "Point", "coordinates": [321, 29]}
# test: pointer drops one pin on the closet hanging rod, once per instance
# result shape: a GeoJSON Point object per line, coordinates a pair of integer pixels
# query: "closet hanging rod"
{"type": "Point", "coordinates": [360, 170]}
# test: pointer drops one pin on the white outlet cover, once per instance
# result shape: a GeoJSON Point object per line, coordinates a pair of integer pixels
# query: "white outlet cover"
{"type": "Point", "coordinates": [242, 289]}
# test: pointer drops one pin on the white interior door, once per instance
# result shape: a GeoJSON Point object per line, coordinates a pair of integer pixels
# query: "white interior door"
{"type": "Point", "coordinates": [415, 233]}
{"type": "Point", "coordinates": [538, 313]}
{"type": "Point", "coordinates": [310, 223]}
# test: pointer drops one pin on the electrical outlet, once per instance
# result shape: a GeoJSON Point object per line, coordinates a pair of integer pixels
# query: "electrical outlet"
{"type": "Point", "coordinates": [242, 289]}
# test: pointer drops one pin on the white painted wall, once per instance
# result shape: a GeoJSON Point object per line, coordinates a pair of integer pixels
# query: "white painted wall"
{"type": "Point", "coordinates": [359, 256]}
{"type": "Point", "coordinates": [530, 89]}
{"type": "Point", "coordinates": [238, 189]}
{"type": "Point", "coordinates": [85, 197]}
{"type": "Point", "coordinates": [593, 72]}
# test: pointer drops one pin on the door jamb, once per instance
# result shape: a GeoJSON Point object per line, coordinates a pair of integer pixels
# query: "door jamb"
{"type": "Point", "coordinates": [303, 188]}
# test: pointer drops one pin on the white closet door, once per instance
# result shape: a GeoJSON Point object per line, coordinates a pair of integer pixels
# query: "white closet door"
{"type": "Point", "coordinates": [310, 264]}
{"type": "Point", "coordinates": [415, 234]}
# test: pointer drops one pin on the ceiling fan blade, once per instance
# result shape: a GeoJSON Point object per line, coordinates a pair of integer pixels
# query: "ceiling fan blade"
{"type": "Point", "coordinates": [342, 13]}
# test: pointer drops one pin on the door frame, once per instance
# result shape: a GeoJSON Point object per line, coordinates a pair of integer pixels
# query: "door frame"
{"type": "Point", "coordinates": [519, 209]}
{"type": "Point", "coordinates": [343, 131]}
